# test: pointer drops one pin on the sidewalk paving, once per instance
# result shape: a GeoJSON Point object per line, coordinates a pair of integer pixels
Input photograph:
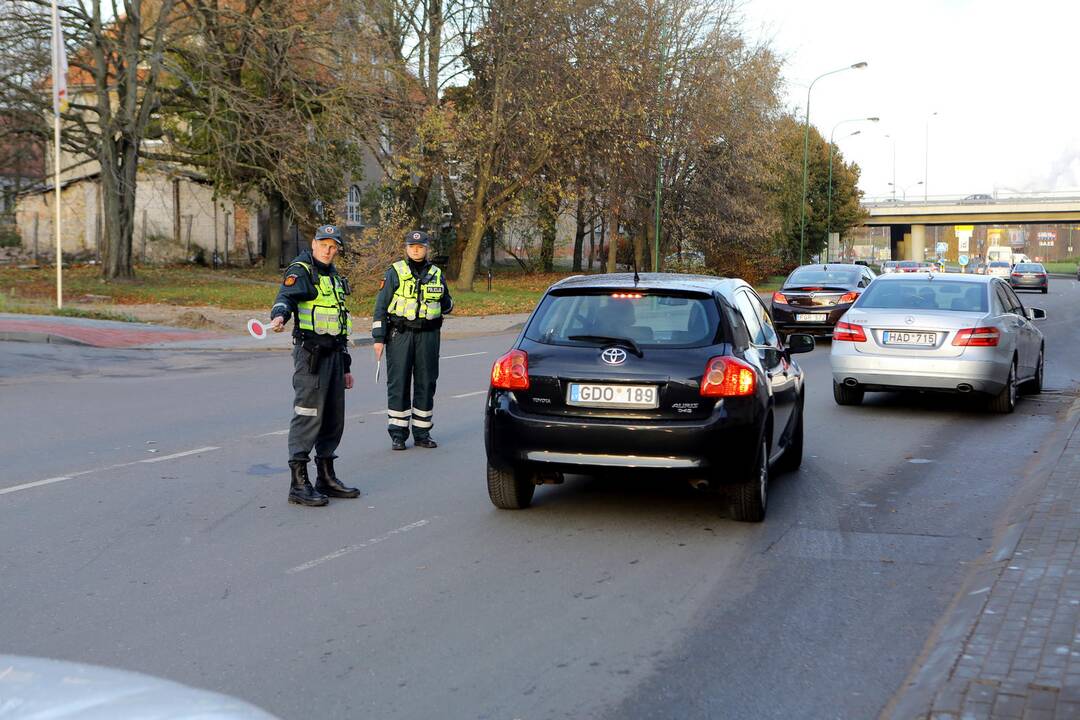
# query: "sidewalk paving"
{"type": "Point", "coordinates": [117, 334]}
{"type": "Point", "coordinates": [1010, 647]}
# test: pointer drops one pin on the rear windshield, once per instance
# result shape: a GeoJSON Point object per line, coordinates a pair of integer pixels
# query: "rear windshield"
{"type": "Point", "coordinates": [919, 294]}
{"type": "Point", "coordinates": [1029, 267]}
{"type": "Point", "coordinates": [999, 263]}
{"type": "Point", "coordinates": [908, 264]}
{"type": "Point", "coordinates": [650, 320]}
{"type": "Point", "coordinates": [821, 276]}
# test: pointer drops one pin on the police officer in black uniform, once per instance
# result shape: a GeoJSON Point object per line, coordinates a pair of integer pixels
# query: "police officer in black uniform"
{"type": "Point", "coordinates": [313, 291]}
{"type": "Point", "coordinates": [409, 312]}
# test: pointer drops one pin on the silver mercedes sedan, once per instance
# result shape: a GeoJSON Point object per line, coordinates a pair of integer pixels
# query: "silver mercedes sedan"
{"type": "Point", "coordinates": [948, 333]}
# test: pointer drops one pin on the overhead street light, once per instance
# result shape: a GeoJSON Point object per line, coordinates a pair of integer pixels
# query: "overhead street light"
{"type": "Point", "coordinates": [806, 153]}
{"type": "Point", "coordinates": [904, 189]}
{"type": "Point", "coordinates": [828, 215]}
{"type": "Point", "coordinates": [926, 158]}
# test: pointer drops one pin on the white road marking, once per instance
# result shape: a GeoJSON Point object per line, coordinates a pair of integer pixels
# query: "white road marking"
{"type": "Point", "coordinates": [180, 454]}
{"type": "Point", "coordinates": [451, 357]}
{"type": "Point", "coordinates": [276, 432]}
{"type": "Point", "coordinates": [464, 395]}
{"type": "Point", "coordinates": [72, 476]}
{"type": "Point", "coordinates": [358, 546]}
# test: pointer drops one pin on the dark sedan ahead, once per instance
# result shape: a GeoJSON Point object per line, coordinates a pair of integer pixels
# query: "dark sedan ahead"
{"type": "Point", "coordinates": [680, 375]}
{"type": "Point", "coordinates": [1029, 276]}
{"type": "Point", "coordinates": [814, 297]}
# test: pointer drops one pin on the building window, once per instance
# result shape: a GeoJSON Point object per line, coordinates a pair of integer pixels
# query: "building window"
{"type": "Point", "coordinates": [352, 207]}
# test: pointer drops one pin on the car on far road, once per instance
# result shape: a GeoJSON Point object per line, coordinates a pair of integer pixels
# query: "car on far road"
{"type": "Point", "coordinates": [978, 198]}
{"type": "Point", "coordinates": [911, 266]}
{"type": "Point", "coordinates": [889, 266]}
{"type": "Point", "coordinates": [999, 268]}
{"type": "Point", "coordinates": [959, 334]}
{"type": "Point", "coordinates": [1029, 276]}
{"type": "Point", "coordinates": [813, 297]}
{"type": "Point", "coordinates": [683, 376]}
{"type": "Point", "coordinates": [975, 267]}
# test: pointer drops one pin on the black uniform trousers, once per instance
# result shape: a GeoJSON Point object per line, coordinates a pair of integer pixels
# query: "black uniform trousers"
{"type": "Point", "coordinates": [412, 364]}
{"type": "Point", "coordinates": [319, 406]}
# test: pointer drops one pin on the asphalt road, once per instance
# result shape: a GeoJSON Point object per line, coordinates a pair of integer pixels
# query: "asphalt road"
{"type": "Point", "coordinates": [160, 541]}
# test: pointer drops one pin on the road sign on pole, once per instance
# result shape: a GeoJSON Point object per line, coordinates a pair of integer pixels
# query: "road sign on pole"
{"type": "Point", "coordinates": [963, 260]}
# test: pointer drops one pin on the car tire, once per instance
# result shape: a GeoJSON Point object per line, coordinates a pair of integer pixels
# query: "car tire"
{"type": "Point", "coordinates": [844, 395]}
{"type": "Point", "coordinates": [1035, 384]}
{"type": "Point", "coordinates": [752, 496]}
{"type": "Point", "coordinates": [1005, 401]}
{"type": "Point", "coordinates": [792, 457]}
{"type": "Point", "coordinates": [509, 489]}
{"type": "Point", "coordinates": [1045, 290]}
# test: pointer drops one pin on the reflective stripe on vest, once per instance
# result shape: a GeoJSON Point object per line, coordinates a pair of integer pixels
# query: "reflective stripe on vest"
{"type": "Point", "coordinates": [326, 314]}
{"type": "Point", "coordinates": [413, 300]}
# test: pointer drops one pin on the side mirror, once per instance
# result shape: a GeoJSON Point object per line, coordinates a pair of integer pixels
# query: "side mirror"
{"type": "Point", "coordinates": [800, 343]}
{"type": "Point", "coordinates": [1035, 313]}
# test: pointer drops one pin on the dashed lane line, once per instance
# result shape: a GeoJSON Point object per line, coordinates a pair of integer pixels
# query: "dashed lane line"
{"type": "Point", "coordinates": [358, 546]}
{"type": "Point", "coordinates": [73, 475]}
{"type": "Point", "coordinates": [470, 394]}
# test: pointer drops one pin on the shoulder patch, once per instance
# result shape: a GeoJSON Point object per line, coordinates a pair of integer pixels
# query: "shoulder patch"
{"type": "Point", "coordinates": [382, 283]}
{"type": "Point", "coordinates": [290, 280]}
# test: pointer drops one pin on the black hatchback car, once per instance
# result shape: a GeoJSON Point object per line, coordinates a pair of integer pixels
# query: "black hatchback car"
{"type": "Point", "coordinates": [813, 298]}
{"type": "Point", "coordinates": [683, 375]}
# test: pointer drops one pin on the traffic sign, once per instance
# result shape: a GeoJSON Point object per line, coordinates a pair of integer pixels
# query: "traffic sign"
{"type": "Point", "coordinates": [942, 247]}
{"type": "Point", "coordinates": [963, 260]}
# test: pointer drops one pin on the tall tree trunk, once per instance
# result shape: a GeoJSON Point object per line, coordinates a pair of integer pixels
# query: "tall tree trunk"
{"type": "Point", "coordinates": [548, 218]}
{"type": "Point", "coordinates": [613, 242]}
{"type": "Point", "coordinates": [579, 234]}
{"type": "Point", "coordinates": [118, 167]}
{"type": "Point", "coordinates": [274, 242]}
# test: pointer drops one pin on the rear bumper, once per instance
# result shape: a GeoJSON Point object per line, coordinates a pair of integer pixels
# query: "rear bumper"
{"type": "Point", "coordinates": [720, 446]}
{"type": "Point", "coordinates": [876, 372]}
{"type": "Point", "coordinates": [1029, 284]}
{"type": "Point", "coordinates": [785, 322]}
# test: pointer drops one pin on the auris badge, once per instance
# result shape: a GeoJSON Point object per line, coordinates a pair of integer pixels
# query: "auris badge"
{"type": "Point", "coordinates": [613, 356]}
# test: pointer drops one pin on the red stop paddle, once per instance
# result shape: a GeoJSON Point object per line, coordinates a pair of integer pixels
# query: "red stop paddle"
{"type": "Point", "coordinates": [256, 329]}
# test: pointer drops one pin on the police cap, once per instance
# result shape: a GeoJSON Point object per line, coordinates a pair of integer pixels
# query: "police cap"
{"type": "Point", "coordinates": [417, 237]}
{"type": "Point", "coordinates": [329, 232]}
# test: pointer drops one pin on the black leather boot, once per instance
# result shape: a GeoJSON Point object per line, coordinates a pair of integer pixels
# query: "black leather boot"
{"type": "Point", "coordinates": [327, 482]}
{"type": "Point", "coordinates": [301, 492]}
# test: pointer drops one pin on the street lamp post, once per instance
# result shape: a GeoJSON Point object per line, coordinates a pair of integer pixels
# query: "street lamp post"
{"type": "Point", "coordinates": [893, 183]}
{"type": "Point", "coordinates": [806, 154]}
{"type": "Point", "coordinates": [926, 158]}
{"type": "Point", "coordinates": [904, 189]}
{"type": "Point", "coordinates": [828, 214]}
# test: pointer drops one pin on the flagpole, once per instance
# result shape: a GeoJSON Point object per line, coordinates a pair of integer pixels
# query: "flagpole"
{"type": "Point", "coordinates": [57, 50]}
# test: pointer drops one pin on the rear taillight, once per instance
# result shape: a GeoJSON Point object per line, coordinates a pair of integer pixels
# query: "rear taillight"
{"type": "Point", "coordinates": [848, 332]}
{"type": "Point", "coordinates": [728, 377]}
{"type": "Point", "coordinates": [511, 371]}
{"type": "Point", "coordinates": [848, 298]}
{"type": "Point", "coordinates": [1017, 275]}
{"type": "Point", "coordinates": [977, 337]}
{"type": "Point", "coordinates": [779, 297]}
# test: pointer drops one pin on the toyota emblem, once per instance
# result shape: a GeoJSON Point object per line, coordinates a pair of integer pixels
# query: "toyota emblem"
{"type": "Point", "coordinates": [613, 356]}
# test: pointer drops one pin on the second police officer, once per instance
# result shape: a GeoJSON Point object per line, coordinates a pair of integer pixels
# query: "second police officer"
{"type": "Point", "coordinates": [408, 315]}
{"type": "Point", "coordinates": [313, 291]}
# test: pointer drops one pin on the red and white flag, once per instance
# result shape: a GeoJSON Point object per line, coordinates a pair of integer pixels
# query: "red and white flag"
{"type": "Point", "coordinates": [59, 67]}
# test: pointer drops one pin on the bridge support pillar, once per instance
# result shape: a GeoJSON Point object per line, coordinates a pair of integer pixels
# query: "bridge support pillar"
{"type": "Point", "coordinates": [917, 247]}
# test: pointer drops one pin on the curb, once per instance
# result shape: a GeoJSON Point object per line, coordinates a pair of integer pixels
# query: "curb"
{"type": "Point", "coordinates": [38, 337]}
{"type": "Point", "coordinates": [931, 674]}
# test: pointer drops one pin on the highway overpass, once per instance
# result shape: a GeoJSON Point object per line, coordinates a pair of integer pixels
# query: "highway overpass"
{"type": "Point", "coordinates": [908, 220]}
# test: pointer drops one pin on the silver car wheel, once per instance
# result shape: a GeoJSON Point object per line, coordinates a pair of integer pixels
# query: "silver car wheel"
{"type": "Point", "coordinates": [763, 475]}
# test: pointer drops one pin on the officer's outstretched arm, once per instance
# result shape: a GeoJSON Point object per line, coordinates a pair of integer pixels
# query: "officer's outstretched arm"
{"type": "Point", "coordinates": [296, 287]}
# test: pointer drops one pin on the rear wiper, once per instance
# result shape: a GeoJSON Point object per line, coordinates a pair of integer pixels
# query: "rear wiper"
{"type": "Point", "coordinates": [625, 342]}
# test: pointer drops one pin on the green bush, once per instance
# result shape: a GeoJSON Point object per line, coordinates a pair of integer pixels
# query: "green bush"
{"type": "Point", "coordinates": [9, 236]}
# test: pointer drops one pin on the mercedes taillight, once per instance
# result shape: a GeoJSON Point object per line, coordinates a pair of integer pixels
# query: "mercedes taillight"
{"type": "Point", "coordinates": [848, 332]}
{"type": "Point", "coordinates": [977, 337]}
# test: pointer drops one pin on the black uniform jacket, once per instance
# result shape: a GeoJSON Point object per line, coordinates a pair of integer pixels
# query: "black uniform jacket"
{"type": "Point", "coordinates": [298, 286]}
{"type": "Point", "coordinates": [380, 317]}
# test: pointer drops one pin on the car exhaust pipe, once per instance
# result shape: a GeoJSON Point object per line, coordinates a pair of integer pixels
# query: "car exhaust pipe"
{"type": "Point", "coordinates": [851, 382]}
{"type": "Point", "coordinates": [699, 483]}
{"type": "Point", "coordinates": [964, 388]}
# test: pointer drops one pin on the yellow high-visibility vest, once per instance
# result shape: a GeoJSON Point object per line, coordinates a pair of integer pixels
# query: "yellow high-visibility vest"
{"type": "Point", "coordinates": [326, 313]}
{"type": "Point", "coordinates": [415, 300]}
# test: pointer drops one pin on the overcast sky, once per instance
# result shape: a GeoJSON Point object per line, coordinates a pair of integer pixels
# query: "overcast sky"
{"type": "Point", "coordinates": [1002, 76]}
